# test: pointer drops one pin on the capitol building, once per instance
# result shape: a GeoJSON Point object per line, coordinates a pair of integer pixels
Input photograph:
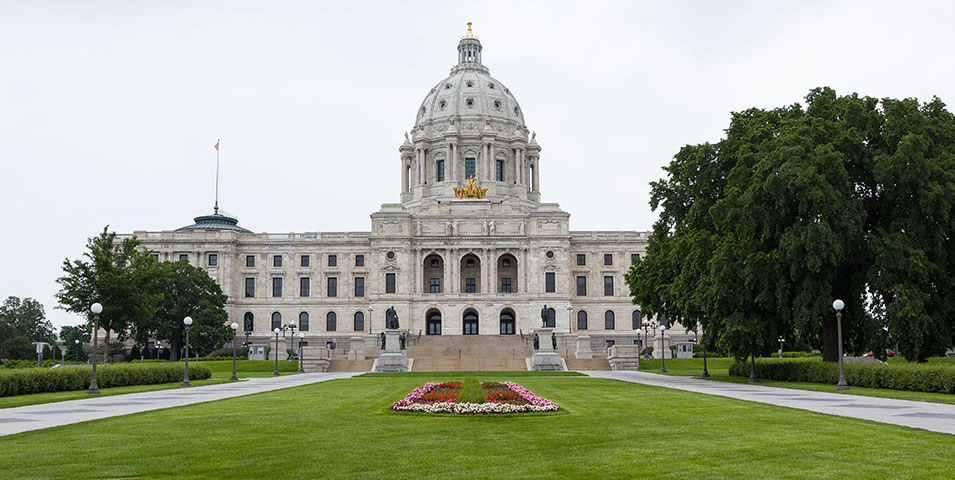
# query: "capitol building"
{"type": "Point", "coordinates": [468, 250]}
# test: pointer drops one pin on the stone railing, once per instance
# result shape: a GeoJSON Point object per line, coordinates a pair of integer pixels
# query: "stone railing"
{"type": "Point", "coordinates": [624, 357]}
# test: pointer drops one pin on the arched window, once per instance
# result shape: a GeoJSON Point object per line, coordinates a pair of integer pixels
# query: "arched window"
{"type": "Point", "coordinates": [434, 322]}
{"type": "Point", "coordinates": [608, 320]}
{"type": "Point", "coordinates": [507, 322]}
{"type": "Point", "coordinates": [276, 320]}
{"type": "Point", "coordinates": [331, 322]}
{"type": "Point", "coordinates": [581, 320]}
{"type": "Point", "coordinates": [303, 321]}
{"type": "Point", "coordinates": [637, 320]}
{"type": "Point", "coordinates": [470, 322]}
{"type": "Point", "coordinates": [359, 322]}
{"type": "Point", "coordinates": [249, 322]}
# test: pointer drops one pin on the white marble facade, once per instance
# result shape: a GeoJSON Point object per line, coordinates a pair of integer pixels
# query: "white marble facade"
{"type": "Point", "coordinates": [468, 122]}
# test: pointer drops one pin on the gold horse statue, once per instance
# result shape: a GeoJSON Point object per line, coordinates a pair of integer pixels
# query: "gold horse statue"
{"type": "Point", "coordinates": [470, 190]}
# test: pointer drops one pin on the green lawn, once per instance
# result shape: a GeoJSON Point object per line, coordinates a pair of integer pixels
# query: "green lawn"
{"type": "Point", "coordinates": [608, 429]}
{"type": "Point", "coordinates": [221, 372]}
{"type": "Point", "coordinates": [688, 367]}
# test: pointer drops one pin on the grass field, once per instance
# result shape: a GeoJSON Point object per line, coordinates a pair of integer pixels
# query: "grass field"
{"type": "Point", "coordinates": [221, 372]}
{"type": "Point", "coordinates": [607, 429]}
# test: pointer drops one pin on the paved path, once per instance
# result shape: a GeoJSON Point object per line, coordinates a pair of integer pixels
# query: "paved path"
{"type": "Point", "coordinates": [35, 417]}
{"type": "Point", "coordinates": [936, 417]}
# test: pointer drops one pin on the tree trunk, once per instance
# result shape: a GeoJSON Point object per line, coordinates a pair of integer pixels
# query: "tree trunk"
{"type": "Point", "coordinates": [106, 348]}
{"type": "Point", "coordinates": [174, 350]}
{"type": "Point", "coordinates": [830, 340]}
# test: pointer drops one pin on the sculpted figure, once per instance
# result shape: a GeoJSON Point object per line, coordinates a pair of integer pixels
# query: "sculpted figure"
{"type": "Point", "coordinates": [553, 340]}
{"type": "Point", "coordinates": [382, 338]}
{"type": "Point", "coordinates": [521, 228]}
{"type": "Point", "coordinates": [544, 315]}
{"type": "Point", "coordinates": [491, 227]}
{"type": "Point", "coordinates": [391, 318]}
{"type": "Point", "coordinates": [450, 229]}
{"type": "Point", "coordinates": [537, 343]}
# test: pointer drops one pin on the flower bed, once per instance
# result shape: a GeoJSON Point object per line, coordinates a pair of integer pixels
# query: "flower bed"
{"type": "Point", "coordinates": [499, 397]}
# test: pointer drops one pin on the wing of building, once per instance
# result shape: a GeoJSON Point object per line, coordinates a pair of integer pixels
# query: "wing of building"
{"type": "Point", "coordinates": [470, 249]}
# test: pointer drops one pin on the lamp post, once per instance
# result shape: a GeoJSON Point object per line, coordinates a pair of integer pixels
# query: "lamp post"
{"type": "Point", "coordinates": [838, 305]}
{"type": "Point", "coordinates": [291, 342]}
{"type": "Point", "coordinates": [235, 328]}
{"type": "Point", "coordinates": [782, 341]}
{"type": "Point", "coordinates": [301, 353]}
{"type": "Point", "coordinates": [663, 348]}
{"type": "Point", "coordinates": [185, 380]}
{"type": "Point", "coordinates": [97, 309]}
{"type": "Point", "coordinates": [706, 374]}
{"type": "Point", "coordinates": [276, 372]}
{"type": "Point", "coordinates": [76, 345]}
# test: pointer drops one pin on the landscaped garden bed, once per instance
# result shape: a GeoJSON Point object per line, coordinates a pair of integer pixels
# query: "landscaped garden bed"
{"type": "Point", "coordinates": [471, 398]}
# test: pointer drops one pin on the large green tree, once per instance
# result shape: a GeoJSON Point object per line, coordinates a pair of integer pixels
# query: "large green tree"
{"type": "Point", "coordinates": [14, 344]}
{"type": "Point", "coordinates": [27, 316]}
{"type": "Point", "coordinates": [185, 291]}
{"type": "Point", "coordinates": [118, 274]}
{"type": "Point", "coordinates": [68, 335]}
{"type": "Point", "coordinates": [851, 197]}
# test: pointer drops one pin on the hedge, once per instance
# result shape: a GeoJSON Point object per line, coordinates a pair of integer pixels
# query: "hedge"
{"type": "Point", "coordinates": [37, 380]}
{"type": "Point", "coordinates": [912, 376]}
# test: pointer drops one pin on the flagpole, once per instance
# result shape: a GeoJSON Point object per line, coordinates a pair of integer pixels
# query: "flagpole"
{"type": "Point", "coordinates": [217, 178]}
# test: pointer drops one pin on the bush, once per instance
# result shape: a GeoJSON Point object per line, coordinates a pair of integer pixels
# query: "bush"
{"type": "Point", "coordinates": [801, 354]}
{"type": "Point", "coordinates": [914, 377]}
{"type": "Point", "coordinates": [240, 352]}
{"type": "Point", "coordinates": [36, 380]}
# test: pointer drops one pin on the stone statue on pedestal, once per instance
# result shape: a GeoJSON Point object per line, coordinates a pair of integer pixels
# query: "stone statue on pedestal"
{"type": "Point", "coordinates": [391, 318]}
{"type": "Point", "coordinates": [537, 343]}
{"type": "Point", "coordinates": [553, 340]}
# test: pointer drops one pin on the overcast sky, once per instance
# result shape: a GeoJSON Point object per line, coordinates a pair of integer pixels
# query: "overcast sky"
{"type": "Point", "coordinates": [109, 110]}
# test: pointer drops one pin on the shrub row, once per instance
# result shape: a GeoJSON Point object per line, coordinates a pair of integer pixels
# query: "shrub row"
{"type": "Point", "coordinates": [37, 380]}
{"type": "Point", "coordinates": [32, 363]}
{"type": "Point", "coordinates": [909, 376]}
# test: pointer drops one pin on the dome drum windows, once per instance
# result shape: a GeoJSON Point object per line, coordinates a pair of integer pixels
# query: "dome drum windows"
{"type": "Point", "coordinates": [497, 104]}
{"type": "Point", "coordinates": [442, 104]}
{"type": "Point", "coordinates": [470, 84]}
{"type": "Point", "coordinates": [469, 103]}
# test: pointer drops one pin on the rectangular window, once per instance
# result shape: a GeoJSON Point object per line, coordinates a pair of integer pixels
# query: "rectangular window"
{"type": "Point", "coordinates": [305, 260]}
{"type": "Point", "coordinates": [506, 285]}
{"type": "Point", "coordinates": [359, 260]}
{"type": "Point", "coordinates": [277, 286]}
{"type": "Point", "coordinates": [499, 170]}
{"type": "Point", "coordinates": [249, 287]}
{"type": "Point", "coordinates": [634, 257]}
{"type": "Point", "coordinates": [276, 260]}
{"type": "Point", "coordinates": [213, 259]}
{"type": "Point", "coordinates": [470, 285]}
{"type": "Point", "coordinates": [359, 286]}
{"type": "Point", "coordinates": [468, 167]}
{"type": "Point", "coordinates": [439, 174]}
{"type": "Point", "coordinates": [332, 287]}
{"type": "Point", "coordinates": [389, 283]}
{"type": "Point", "coordinates": [183, 257]}
{"type": "Point", "coordinates": [581, 259]}
{"type": "Point", "coordinates": [608, 343]}
{"type": "Point", "coordinates": [581, 286]}
{"type": "Point", "coordinates": [304, 286]}
{"type": "Point", "coordinates": [333, 260]}
{"type": "Point", "coordinates": [550, 283]}
{"type": "Point", "coordinates": [608, 286]}
{"type": "Point", "coordinates": [608, 259]}
{"type": "Point", "coordinates": [434, 285]}
{"type": "Point", "coordinates": [250, 260]}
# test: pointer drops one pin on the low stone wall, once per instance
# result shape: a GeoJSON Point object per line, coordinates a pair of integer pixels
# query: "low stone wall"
{"type": "Point", "coordinates": [624, 357]}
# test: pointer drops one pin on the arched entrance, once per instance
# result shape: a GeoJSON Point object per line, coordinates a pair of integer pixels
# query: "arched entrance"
{"type": "Point", "coordinates": [507, 274]}
{"type": "Point", "coordinates": [507, 322]}
{"type": "Point", "coordinates": [471, 274]}
{"type": "Point", "coordinates": [470, 322]}
{"type": "Point", "coordinates": [433, 274]}
{"type": "Point", "coordinates": [433, 321]}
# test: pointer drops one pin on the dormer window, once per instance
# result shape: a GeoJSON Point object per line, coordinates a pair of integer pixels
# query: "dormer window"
{"type": "Point", "coordinates": [470, 84]}
{"type": "Point", "coordinates": [469, 102]}
{"type": "Point", "coordinates": [497, 104]}
{"type": "Point", "coordinates": [491, 86]}
{"type": "Point", "coordinates": [442, 104]}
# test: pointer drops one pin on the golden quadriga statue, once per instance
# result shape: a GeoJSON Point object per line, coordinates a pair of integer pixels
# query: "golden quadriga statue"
{"type": "Point", "coordinates": [470, 190]}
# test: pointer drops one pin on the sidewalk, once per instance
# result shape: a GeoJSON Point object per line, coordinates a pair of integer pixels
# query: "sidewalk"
{"type": "Point", "coordinates": [35, 417]}
{"type": "Point", "coordinates": [935, 417]}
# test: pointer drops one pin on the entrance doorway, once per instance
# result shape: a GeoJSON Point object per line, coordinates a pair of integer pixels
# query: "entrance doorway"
{"type": "Point", "coordinates": [434, 323]}
{"type": "Point", "coordinates": [470, 323]}
{"type": "Point", "coordinates": [507, 322]}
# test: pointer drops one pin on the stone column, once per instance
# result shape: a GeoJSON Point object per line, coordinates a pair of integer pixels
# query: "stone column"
{"type": "Point", "coordinates": [536, 175]}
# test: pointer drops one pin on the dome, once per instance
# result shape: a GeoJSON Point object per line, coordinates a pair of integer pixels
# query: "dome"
{"type": "Point", "coordinates": [216, 221]}
{"type": "Point", "coordinates": [469, 92]}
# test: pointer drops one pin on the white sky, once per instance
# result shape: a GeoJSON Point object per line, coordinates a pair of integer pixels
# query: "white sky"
{"type": "Point", "coordinates": [109, 109]}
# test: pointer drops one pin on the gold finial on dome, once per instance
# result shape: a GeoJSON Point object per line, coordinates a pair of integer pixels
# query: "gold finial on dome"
{"type": "Point", "coordinates": [470, 34]}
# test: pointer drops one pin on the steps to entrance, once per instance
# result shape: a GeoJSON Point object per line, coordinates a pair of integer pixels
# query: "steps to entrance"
{"type": "Point", "coordinates": [438, 353]}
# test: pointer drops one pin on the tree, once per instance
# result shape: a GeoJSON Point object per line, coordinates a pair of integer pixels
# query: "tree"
{"type": "Point", "coordinates": [184, 291]}
{"type": "Point", "coordinates": [14, 345]}
{"type": "Point", "coordinates": [68, 335]}
{"type": "Point", "coordinates": [28, 317]}
{"type": "Point", "coordinates": [851, 198]}
{"type": "Point", "coordinates": [117, 274]}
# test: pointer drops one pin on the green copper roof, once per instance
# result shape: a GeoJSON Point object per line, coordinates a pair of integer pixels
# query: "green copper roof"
{"type": "Point", "coordinates": [215, 221]}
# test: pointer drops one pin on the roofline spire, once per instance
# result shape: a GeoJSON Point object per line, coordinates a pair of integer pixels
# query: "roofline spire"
{"type": "Point", "coordinates": [470, 33]}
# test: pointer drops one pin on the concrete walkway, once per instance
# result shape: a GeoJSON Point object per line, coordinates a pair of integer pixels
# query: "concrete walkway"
{"type": "Point", "coordinates": [936, 417]}
{"type": "Point", "coordinates": [35, 417]}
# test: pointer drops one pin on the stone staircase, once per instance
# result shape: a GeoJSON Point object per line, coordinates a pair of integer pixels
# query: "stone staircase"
{"type": "Point", "coordinates": [443, 353]}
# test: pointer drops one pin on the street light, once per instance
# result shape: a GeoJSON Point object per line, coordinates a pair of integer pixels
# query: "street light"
{"type": "Point", "coordinates": [76, 344]}
{"type": "Point", "coordinates": [782, 341]}
{"type": "Point", "coordinates": [235, 327]}
{"type": "Point", "coordinates": [185, 380]}
{"type": "Point", "coordinates": [663, 349]}
{"type": "Point", "coordinates": [291, 343]}
{"type": "Point", "coordinates": [97, 309]}
{"type": "Point", "coordinates": [276, 372]}
{"type": "Point", "coordinates": [301, 353]}
{"type": "Point", "coordinates": [838, 305]}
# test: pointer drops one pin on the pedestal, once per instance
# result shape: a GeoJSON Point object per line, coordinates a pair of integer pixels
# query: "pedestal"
{"type": "Point", "coordinates": [583, 347]}
{"type": "Point", "coordinates": [281, 350]}
{"type": "Point", "coordinates": [392, 358]}
{"type": "Point", "coordinates": [356, 348]}
{"type": "Point", "coordinates": [545, 358]}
